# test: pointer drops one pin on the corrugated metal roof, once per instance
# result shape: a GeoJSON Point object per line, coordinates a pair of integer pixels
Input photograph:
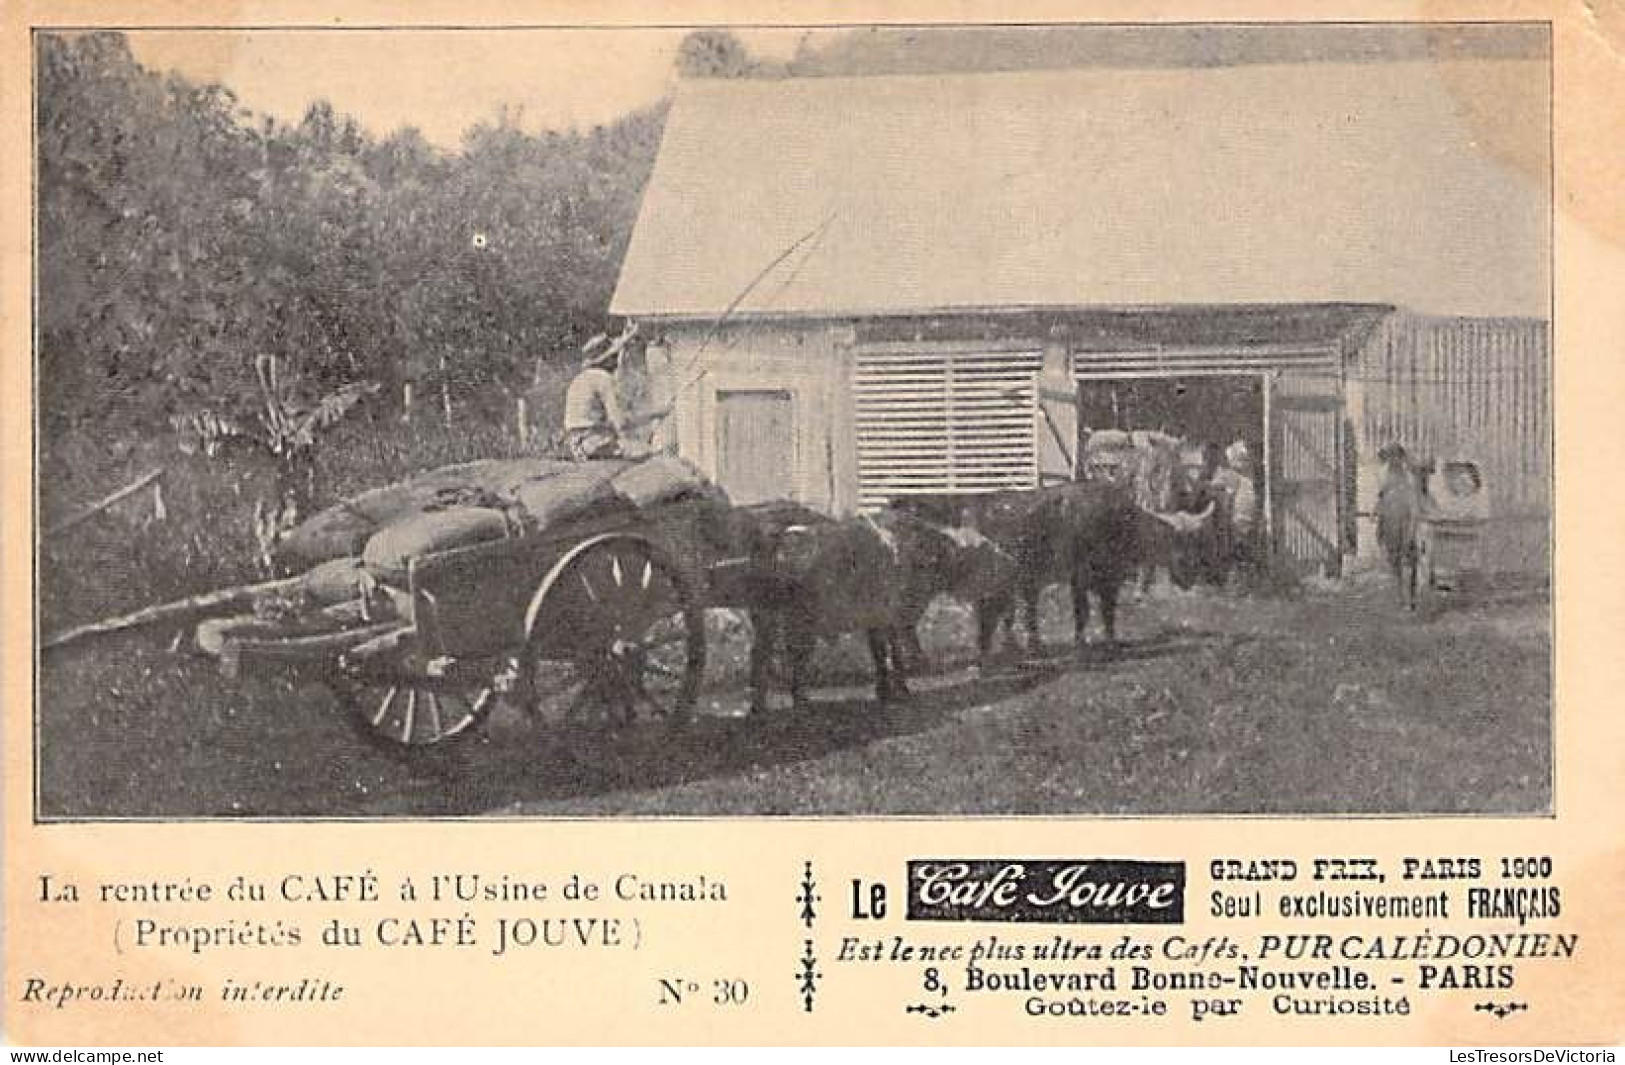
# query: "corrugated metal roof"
{"type": "Point", "coordinates": [1422, 184]}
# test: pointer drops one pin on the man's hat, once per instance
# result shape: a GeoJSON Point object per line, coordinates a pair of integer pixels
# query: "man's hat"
{"type": "Point", "coordinates": [596, 351]}
{"type": "Point", "coordinates": [602, 347]}
{"type": "Point", "coordinates": [1237, 453]}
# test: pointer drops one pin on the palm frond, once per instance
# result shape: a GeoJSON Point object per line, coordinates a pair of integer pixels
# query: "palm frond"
{"type": "Point", "coordinates": [297, 429]}
{"type": "Point", "coordinates": [207, 429]}
{"type": "Point", "coordinates": [336, 405]}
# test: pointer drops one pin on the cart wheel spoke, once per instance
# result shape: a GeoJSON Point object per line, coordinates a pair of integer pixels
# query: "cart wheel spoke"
{"type": "Point", "coordinates": [415, 713]}
{"type": "Point", "coordinates": [410, 717]}
{"type": "Point", "coordinates": [435, 728]}
{"type": "Point", "coordinates": [639, 584]}
{"type": "Point", "coordinates": [383, 707]}
{"type": "Point", "coordinates": [626, 600]}
{"type": "Point", "coordinates": [469, 712]}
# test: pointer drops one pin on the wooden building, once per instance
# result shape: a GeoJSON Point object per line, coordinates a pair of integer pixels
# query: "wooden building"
{"type": "Point", "coordinates": [862, 288]}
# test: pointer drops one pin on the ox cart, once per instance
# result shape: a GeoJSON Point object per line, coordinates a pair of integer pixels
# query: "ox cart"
{"type": "Point", "coordinates": [594, 620]}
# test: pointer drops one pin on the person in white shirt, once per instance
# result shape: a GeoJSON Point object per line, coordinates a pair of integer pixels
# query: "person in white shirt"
{"type": "Point", "coordinates": [1234, 484]}
{"type": "Point", "coordinates": [595, 418]}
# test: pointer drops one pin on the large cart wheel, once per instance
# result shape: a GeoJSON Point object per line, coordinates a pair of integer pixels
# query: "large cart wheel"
{"type": "Point", "coordinates": [416, 714]}
{"type": "Point", "coordinates": [615, 636]}
{"type": "Point", "coordinates": [416, 705]}
{"type": "Point", "coordinates": [424, 722]}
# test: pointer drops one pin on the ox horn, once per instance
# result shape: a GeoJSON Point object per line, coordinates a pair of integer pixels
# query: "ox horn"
{"type": "Point", "coordinates": [1181, 522]}
{"type": "Point", "coordinates": [1166, 519]}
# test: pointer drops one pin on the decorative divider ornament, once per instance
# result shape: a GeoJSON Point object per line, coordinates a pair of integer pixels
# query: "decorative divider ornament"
{"type": "Point", "coordinates": [807, 976]}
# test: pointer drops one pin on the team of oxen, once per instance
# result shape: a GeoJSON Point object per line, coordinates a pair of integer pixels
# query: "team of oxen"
{"type": "Point", "coordinates": [877, 573]}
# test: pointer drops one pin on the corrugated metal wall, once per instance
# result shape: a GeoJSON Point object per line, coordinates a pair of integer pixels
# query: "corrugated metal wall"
{"type": "Point", "coordinates": [1477, 386]}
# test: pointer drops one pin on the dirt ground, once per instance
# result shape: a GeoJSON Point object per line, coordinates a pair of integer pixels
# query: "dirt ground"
{"type": "Point", "coordinates": [1330, 701]}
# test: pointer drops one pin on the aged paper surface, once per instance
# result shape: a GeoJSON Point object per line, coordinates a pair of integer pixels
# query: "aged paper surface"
{"type": "Point", "coordinates": [900, 255]}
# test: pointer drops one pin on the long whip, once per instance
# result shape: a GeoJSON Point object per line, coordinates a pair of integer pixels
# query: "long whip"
{"type": "Point", "coordinates": [815, 233]}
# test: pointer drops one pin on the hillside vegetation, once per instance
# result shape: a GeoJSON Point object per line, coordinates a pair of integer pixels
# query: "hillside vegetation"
{"type": "Point", "coordinates": [182, 239]}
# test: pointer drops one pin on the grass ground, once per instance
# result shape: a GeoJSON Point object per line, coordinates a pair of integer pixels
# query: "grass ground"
{"type": "Point", "coordinates": [1330, 702]}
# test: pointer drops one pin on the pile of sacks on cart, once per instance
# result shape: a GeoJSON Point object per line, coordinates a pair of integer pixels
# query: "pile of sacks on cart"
{"type": "Point", "coordinates": [380, 531]}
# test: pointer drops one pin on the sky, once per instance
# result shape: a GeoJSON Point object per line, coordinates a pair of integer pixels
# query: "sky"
{"type": "Point", "coordinates": [440, 81]}
{"type": "Point", "coordinates": [444, 81]}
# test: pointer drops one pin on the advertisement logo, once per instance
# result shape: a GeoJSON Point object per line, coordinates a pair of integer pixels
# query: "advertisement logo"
{"type": "Point", "coordinates": [1046, 890]}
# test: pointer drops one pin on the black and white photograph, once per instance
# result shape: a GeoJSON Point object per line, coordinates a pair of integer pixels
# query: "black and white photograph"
{"type": "Point", "coordinates": [1050, 421]}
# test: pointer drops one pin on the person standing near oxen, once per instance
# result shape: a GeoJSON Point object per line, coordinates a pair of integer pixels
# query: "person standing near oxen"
{"type": "Point", "coordinates": [1208, 548]}
{"type": "Point", "coordinates": [1233, 483]}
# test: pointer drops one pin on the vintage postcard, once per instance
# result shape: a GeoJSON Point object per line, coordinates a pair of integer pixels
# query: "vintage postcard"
{"type": "Point", "coordinates": [545, 523]}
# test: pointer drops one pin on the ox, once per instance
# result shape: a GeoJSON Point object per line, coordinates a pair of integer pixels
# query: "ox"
{"type": "Point", "coordinates": [1104, 526]}
{"type": "Point", "coordinates": [823, 577]}
{"type": "Point", "coordinates": [1027, 531]}
{"type": "Point", "coordinates": [1178, 533]}
{"type": "Point", "coordinates": [1086, 534]}
{"type": "Point", "coordinates": [1169, 478]}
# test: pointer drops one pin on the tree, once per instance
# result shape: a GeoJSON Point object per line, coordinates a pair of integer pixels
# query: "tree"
{"type": "Point", "coordinates": [143, 182]}
{"type": "Point", "coordinates": [181, 237]}
{"type": "Point", "coordinates": [713, 54]}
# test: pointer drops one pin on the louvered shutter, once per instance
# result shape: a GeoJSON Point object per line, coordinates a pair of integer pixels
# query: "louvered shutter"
{"type": "Point", "coordinates": [943, 421]}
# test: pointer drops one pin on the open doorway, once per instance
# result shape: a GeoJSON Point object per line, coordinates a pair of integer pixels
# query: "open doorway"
{"type": "Point", "coordinates": [1209, 412]}
{"type": "Point", "coordinates": [1216, 409]}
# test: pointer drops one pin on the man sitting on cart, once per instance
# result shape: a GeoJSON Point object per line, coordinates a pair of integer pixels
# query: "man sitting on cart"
{"type": "Point", "coordinates": [595, 421]}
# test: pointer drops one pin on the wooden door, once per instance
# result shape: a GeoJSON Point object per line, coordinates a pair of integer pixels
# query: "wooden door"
{"type": "Point", "coordinates": [756, 445]}
{"type": "Point", "coordinates": [1307, 471]}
